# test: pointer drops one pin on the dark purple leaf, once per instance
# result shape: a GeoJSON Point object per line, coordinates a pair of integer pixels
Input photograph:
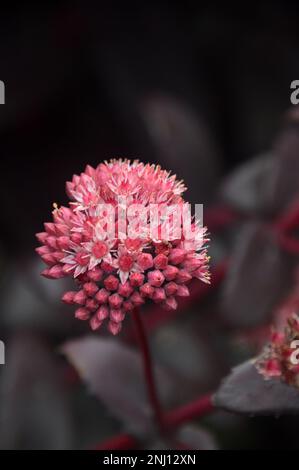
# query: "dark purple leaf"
{"type": "Point", "coordinates": [197, 438]}
{"type": "Point", "coordinates": [246, 188]}
{"type": "Point", "coordinates": [245, 390]}
{"type": "Point", "coordinates": [29, 300]}
{"type": "Point", "coordinates": [183, 143]}
{"type": "Point", "coordinates": [113, 372]}
{"type": "Point", "coordinates": [284, 177]}
{"type": "Point", "coordinates": [34, 410]}
{"type": "Point", "coordinates": [259, 276]}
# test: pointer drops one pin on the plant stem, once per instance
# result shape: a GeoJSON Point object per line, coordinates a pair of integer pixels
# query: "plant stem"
{"type": "Point", "coordinates": [148, 369]}
{"type": "Point", "coordinates": [198, 408]}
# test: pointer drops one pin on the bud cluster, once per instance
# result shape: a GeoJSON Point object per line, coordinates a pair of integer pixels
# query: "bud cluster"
{"type": "Point", "coordinates": [280, 358]}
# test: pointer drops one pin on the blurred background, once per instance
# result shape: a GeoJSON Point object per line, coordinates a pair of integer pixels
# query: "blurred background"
{"type": "Point", "coordinates": [203, 90]}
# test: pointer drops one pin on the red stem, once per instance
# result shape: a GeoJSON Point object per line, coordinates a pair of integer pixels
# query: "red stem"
{"type": "Point", "coordinates": [119, 442]}
{"type": "Point", "coordinates": [285, 225]}
{"type": "Point", "coordinates": [148, 369]}
{"type": "Point", "coordinates": [289, 243]}
{"type": "Point", "coordinates": [198, 408]}
{"type": "Point", "coordinates": [220, 216]}
{"type": "Point", "coordinates": [172, 419]}
{"type": "Point", "coordinates": [289, 220]}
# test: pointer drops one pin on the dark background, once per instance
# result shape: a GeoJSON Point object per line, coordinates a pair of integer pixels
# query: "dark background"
{"type": "Point", "coordinates": [199, 88]}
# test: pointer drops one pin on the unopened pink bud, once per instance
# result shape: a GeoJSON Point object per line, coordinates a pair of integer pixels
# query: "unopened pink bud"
{"type": "Point", "coordinates": [66, 213]}
{"type": "Point", "coordinates": [50, 228]}
{"type": "Point", "coordinates": [125, 290]}
{"type": "Point", "coordinates": [91, 305]}
{"type": "Point", "coordinates": [106, 267]}
{"type": "Point", "coordinates": [170, 272]}
{"type": "Point", "coordinates": [117, 315]}
{"type": "Point", "coordinates": [82, 313]}
{"type": "Point", "coordinates": [76, 179]}
{"type": "Point", "coordinates": [183, 276]}
{"type": "Point", "coordinates": [114, 327]}
{"type": "Point", "coordinates": [51, 241]}
{"type": "Point", "coordinates": [45, 273]}
{"type": "Point", "coordinates": [76, 238]}
{"type": "Point", "coordinates": [68, 297]}
{"type": "Point", "coordinates": [85, 178]}
{"type": "Point", "coordinates": [160, 261]}
{"type": "Point", "coordinates": [145, 261]}
{"type": "Point", "coordinates": [171, 288]}
{"type": "Point", "coordinates": [183, 291]}
{"type": "Point", "coordinates": [192, 264]}
{"type": "Point", "coordinates": [49, 259]}
{"type": "Point", "coordinates": [58, 255]}
{"type": "Point", "coordinates": [136, 299]}
{"type": "Point", "coordinates": [43, 250]}
{"type": "Point", "coordinates": [277, 338]}
{"type": "Point", "coordinates": [102, 296]}
{"type": "Point", "coordinates": [67, 269]}
{"type": "Point", "coordinates": [111, 283]}
{"type": "Point", "coordinates": [273, 368]}
{"type": "Point", "coordinates": [170, 303]}
{"type": "Point", "coordinates": [136, 279]}
{"type": "Point", "coordinates": [56, 272]}
{"type": "Point", "coordinates": [155, 278]}
{"type": "Point", "coordinates": [127, 306]}
{"type": "Point", "coordinates": [96, 274]}
{"type": "Point", "coordinates": [63, 243]}
{"type": "Point", "coordinates": [147, 290]}
{"type": "Point", "coordinates": [41, 237]}
{"type": "Point", "coordinates": [115, 300]}
{"type": "Point", "coordinates": [61, 229]}
{"type": "Point", "coordinates": [69, 186]}
{"type": "Point", "coordinates": [102, 312]}
{"type": "Point", "coordinates": [90, 288]}
{"type": "Point", "coordinates": [80, 297]}
{"type": "Point", "coordinates": [89, 170]}
{"type": "Point", "coordinates": [177, 256]}
{"type": "Point", "coordinates": [159, 295]}
{"type": "Point", "coordinates": [95, 322]}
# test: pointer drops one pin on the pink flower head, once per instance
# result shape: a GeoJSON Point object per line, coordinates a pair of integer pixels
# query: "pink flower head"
{"type": "Point", "coordinates": [117, 271]}
{"type": "Point", "coordinates": [280, 358]}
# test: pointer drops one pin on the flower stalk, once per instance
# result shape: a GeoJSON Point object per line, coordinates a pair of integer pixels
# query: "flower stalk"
{"type": "Point", "coordinates": [198, 408]}
{"type": "Point", "coordinates": [148, 370]}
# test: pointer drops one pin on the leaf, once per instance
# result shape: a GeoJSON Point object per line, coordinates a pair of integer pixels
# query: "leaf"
{"type": "Point", "coordinates": [31, 301]}
{"type": "Point", "coordinates": [34, 409]}
{"type": "Point", "coordinates": [258, 278]}
{"type": "Point", "coordinates": [246, 188]}
{"type": "Point", "coordinates": [245, 390]}
{"type": "Point", "coordinates": [197, 438]}
{"type": "Point", "coordinates": [113, 373]}
{"type": "Point", "coordinates": [284, 177]}
{"type": "Point", "coordinates": [198, 362]}
{"type": "Point", "coordinates": [179, 134]}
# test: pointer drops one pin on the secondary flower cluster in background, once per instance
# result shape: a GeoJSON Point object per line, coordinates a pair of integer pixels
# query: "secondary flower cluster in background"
{"type": "Point", "coordinates": [280, 356]}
